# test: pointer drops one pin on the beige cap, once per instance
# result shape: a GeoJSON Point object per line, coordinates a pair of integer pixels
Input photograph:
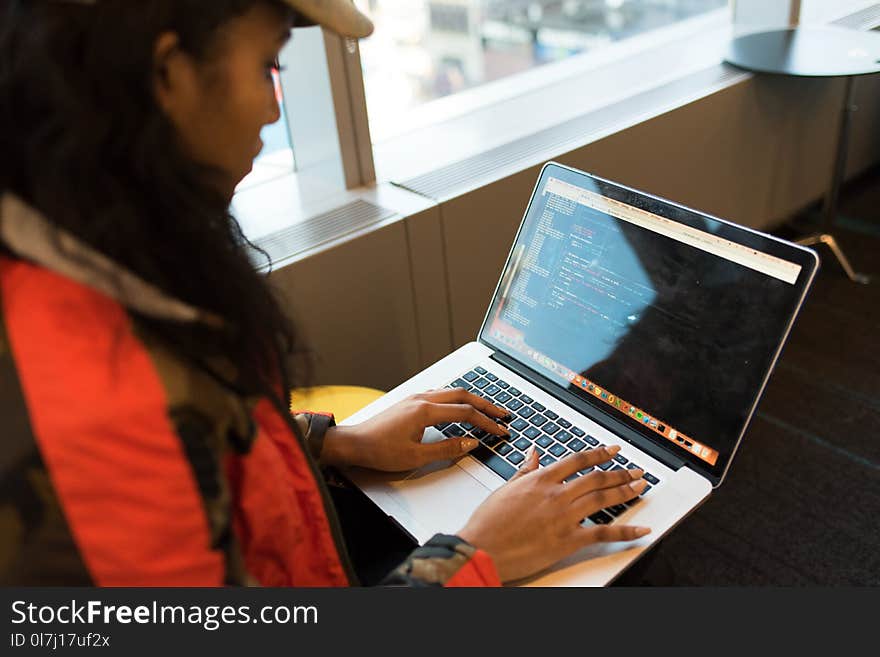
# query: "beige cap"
{"type": "Point", "coordinates": [340, 16]}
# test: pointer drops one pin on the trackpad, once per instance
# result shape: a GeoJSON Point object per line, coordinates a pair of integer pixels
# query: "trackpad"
{"type": "Point", "coordinates": [440, 498]}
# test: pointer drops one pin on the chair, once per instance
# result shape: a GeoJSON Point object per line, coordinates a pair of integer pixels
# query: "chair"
{"type": "Point", "coordinates": [342, 401]}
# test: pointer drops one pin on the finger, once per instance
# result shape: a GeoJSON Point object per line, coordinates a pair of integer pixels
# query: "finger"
{"type": "Point", "coordinates": [443, 450]}
{"type": "Point", "coordinates": [587, 505]}
{"type": "Point", "coordinates": [611, 533]}
{"type": "Point", "coordinates": [580, 461]}
{"type": "Point", "coordinates": [438, 413]}
{"type": "Point", "coordinates": [529, 465]}
{"type": "Point", "coordinates": [459, 396]}
{"type": "Point", "coordinates": [599, 480]}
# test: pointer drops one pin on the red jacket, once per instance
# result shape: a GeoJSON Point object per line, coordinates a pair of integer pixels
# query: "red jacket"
{"type": "Point", "coordinates": [126, 466]}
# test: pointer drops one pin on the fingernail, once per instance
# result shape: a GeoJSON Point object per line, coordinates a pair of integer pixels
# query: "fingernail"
{"type": "Point", "coordinates": [636, 474]}
{"type": "Point", "coordinates": [468, 444]}
{"type": "Point", "coordinates": [530, 455]}
{"type": "Point", "coordinates": [504, 430]}
{"type": "Point", "coordinates": [613, 449]}
{"type": "Point", "coordinates": [642, 531]}
{"type": "Point", "coordinates": [637, 486]}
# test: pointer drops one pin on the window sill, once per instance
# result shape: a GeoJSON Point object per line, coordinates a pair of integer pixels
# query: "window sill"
{"type": "Point", "coordinates": [298, 215]}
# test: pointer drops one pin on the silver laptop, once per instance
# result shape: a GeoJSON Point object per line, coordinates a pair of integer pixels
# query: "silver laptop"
{"type": "Point", "coordinates": [619, 318]}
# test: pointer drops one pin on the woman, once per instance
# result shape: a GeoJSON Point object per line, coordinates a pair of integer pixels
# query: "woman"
{"type": "Point", "coordinates": [144, 363]}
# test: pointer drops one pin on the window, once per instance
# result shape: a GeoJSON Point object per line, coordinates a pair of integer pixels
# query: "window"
{"type": "Point", "coordinates": [760, 15]}
{"type": "Point", "coordinates": [757, 15]}
{"type": "Point", "coordinates": [425, 50]}
{"type": "Point", "coordinates": [461, 78]}
{"type": "Point", "coordinates": [816, 12]}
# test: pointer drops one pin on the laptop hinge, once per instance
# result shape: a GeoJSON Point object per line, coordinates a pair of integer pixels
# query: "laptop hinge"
{"type": "Point", "coordinates": [598, 416]}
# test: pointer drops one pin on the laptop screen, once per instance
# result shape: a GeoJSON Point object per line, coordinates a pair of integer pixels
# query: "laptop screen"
{"type": "Point", "coordinates": [659, 316]}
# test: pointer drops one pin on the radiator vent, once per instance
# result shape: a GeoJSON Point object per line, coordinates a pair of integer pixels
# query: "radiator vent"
{"type": "Point", "coordinates": [319, 230]}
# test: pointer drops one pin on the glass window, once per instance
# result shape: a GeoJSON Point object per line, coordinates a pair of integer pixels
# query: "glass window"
{"type": "Point", "coordinates": [760, 15]}
{"type": "Point", "coordinates": [823, 11]}
{"type": "Point", "coordinates": [424, 50]}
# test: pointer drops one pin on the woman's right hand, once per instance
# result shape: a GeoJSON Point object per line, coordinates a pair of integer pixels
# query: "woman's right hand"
{"type": "Point", "coordinates": [534, 520]}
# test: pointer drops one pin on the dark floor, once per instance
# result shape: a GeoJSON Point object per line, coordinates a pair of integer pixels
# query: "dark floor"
{"type": "Point", "coordinates": [801, 503]}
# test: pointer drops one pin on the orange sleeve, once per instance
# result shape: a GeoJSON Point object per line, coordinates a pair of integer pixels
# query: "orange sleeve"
{"type": "Point", "coordinates": [99, 416]}
{"type": "Point", "coordinates": [479, 571]}
{"type": "Point", "coordinates": [445, 560]}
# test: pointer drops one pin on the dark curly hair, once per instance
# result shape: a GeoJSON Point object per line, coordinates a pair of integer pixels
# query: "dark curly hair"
{"type": "Point", "coordinates": [83, 140]}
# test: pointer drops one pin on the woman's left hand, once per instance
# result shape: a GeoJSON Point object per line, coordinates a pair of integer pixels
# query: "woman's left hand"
{"type": "Point", "coordinates": [392, 440]}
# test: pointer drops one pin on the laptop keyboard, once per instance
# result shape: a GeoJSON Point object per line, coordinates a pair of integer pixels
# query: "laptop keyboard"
{"type": "Point", "coordinates": [532, 423]}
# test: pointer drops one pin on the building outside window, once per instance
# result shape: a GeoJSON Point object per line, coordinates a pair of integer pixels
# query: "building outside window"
{"type": "Point", "coordinates": [424, 50]}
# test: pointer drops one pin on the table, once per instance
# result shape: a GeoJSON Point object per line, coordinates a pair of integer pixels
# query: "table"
{"type": "Point", "coordinates": [816, 52]}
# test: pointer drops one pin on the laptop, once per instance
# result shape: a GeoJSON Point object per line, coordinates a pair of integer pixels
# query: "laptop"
{"type": "Point", "coordinates": [619, 318]}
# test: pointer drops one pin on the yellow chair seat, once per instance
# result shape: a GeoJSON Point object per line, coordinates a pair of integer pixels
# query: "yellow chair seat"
{"type": "Point", "coordinates": [342, 401]}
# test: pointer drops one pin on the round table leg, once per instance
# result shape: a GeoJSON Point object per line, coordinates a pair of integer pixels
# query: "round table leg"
{"type": "Point", "coordinates": [829, 207]}
{"type": "Point", "coordinates": [841, 258]}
